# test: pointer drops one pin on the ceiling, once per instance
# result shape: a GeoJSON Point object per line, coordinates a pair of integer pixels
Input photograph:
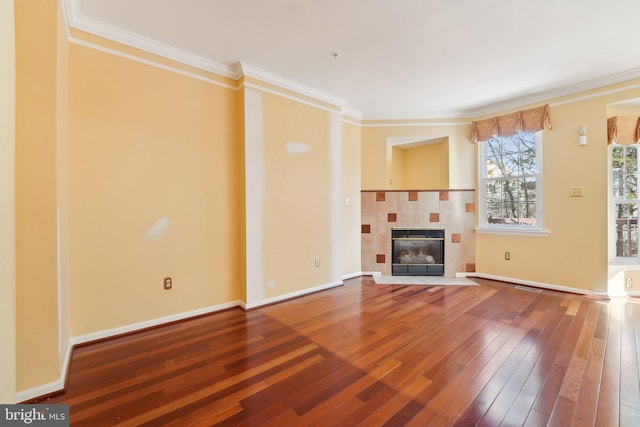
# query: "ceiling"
{"type": "Point", "coordinates": [391, 59]}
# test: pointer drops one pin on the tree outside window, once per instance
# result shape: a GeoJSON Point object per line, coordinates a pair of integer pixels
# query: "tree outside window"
{"type": "Point", "coordinates": [511, 179]}
{"type": "Point", "coordinates": [625, 195]}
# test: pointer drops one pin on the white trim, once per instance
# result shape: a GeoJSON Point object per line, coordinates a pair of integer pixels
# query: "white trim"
{"type": "Point", "coordinates": [351, 122]}
{"type": "Point", "coordinates": [352, 275]}
{"type": "Point", "coordinates": [102, 29]}
{"type": "Point", "coordinates": [483, 226]}
{"type": "Point", "coordinates": [557, 93]}
{"type": "Point", "coordinates": [255, 194]}
{"type": "Point", "coordinates": [287, 96]}
{"type": "Point", "coordinates": [58, 385]}
{"type": "Point", "coordinates": [335, 193]}
{"type": "Point", "coordinates": [294, 294]}
{"type": "Point", "coordinates": [108, 333]}
{"type": "Point", "coordinates": [149, 62]}
{"type": "Point", "coordinates": [373, 125]}
{"type": "Point", "coordinates": [78, 21]}
{"type": "Point", "coordinates": [350, 112]}
{"type": "Point", "coordinates": [244, 69]}
{"type": "Point", "coordinates": [539, 284]}
{"type": "Point", "coordinates": [594, 95]}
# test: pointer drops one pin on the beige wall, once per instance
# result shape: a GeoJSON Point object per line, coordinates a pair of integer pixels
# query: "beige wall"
{"type": "Point", "coordinates": [7, 204]}
{"type": "Point", "coordinates": [378, 166]}
{"type": "Point", "coordinates": [36, 235]}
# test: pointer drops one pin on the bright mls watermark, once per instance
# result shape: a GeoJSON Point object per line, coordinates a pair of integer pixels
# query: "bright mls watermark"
{"type": "Point", "coordinates": [34, 415]}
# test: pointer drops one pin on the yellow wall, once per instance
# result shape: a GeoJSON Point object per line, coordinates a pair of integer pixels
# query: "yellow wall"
{"type": "Point", "coordinates": [427, 167]}
{"type": "Point", "coordinates": [7, 204]}
{"type": "Point", "coordinates": [294, 187]}
{"type": "Point", "coordinates": [396, 172]}
{"type": "Point", "coordinates": [36, 236]}
{"type": "Point", "coordinates": [298, 198]}
{"type": "Point", "coordinates": [149, 147]}
{"type": "Point", "coordinates": [378, 166]}
{"type": "Point", "coordinates": [575, 253]}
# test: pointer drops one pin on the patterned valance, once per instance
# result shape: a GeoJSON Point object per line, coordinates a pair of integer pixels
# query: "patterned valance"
{"type": "Point", "coordinates": [533, 120]}
{"type": "Point", "coordinates": [623, 130]}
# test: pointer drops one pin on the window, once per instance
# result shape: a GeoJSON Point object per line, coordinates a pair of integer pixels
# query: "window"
{"type": "Point", "coordinates": [624, 167]}
{"type": "Point", "coordinates": [511, 182]}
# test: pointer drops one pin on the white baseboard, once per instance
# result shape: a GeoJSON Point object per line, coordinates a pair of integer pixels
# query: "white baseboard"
{"type": "Point", "coordinates": [352, 275]}
{"type": "Point", "coordinates": [293, 294]}
{"type": "Point", "coordinates": [59, 384]}
{"type": "Point", "coordinates": [535, 284]}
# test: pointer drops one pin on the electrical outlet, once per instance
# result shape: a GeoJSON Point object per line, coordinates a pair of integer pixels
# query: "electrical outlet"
{"type": "Point", "coordinates": [507, 256]}
{"type": "Point", "coordinates": [317, 261]}
{"type": "Point", "coordinates": [629, 282]}
{"type": "Point", "coordinates": [168, 283]}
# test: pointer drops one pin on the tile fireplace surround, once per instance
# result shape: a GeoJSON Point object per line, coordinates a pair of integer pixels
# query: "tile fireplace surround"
{"type": "Point", "coordinates": [453, 210]}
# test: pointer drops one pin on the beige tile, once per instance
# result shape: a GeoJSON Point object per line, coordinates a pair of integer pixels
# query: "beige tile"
{"type": "Point", "coordinates": [405, 205]}
{"type": "Point", "coordinates": [368, 242]}
{"type": "Point", "coordinates": [369, 262]}
{"type": "Point", "coordinates": [369, 218]}
{"type": "Point", "coordinates": [368, 201]}
{"type": "Point", "coordinates": [390, 203]}
{"type": "Point", "coordinates": [428, 201]}
{"type": "Point", "coordinates": [411, 219]}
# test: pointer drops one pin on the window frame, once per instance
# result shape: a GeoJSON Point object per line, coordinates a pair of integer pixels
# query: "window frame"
{"type": "Point", "coordinates": [615, 201]}
{"type": "Point", "coordinates": [511, 229]}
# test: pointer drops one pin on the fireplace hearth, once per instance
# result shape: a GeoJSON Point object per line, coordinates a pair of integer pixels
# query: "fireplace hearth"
{"type": "Point", "coordinates": [417, 251]}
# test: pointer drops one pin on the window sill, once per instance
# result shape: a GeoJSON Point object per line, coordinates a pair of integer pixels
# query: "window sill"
{"type": "Point", "coordinates": [512, 232]}
{"type": "Point", "coordinates": [625, 262]}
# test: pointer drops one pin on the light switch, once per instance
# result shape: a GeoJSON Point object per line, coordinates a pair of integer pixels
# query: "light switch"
{"type": "Point", "coordinates": [577, 191]}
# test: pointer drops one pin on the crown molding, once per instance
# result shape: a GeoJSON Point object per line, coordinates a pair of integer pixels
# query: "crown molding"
{"type": "Point", "coordinates": [80, 22]}
{"type": "Point", "coordinates": [83, 23]}
{"type": "Point", "coordinates": [519, 101]}
{"type": "Point", "coordinates": [545, 96]}
{"type": "Point", "coordinates": [244, 69]}
{"type": "Point", "coordinates": [351, 113]}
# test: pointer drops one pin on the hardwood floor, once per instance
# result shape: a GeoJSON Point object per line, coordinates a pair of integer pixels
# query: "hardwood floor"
{"type": "Point", "coordinates": [374, 355]}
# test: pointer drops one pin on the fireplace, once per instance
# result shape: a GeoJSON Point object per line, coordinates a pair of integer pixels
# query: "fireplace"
{"type": "Point", "coordinates": [417, 251]}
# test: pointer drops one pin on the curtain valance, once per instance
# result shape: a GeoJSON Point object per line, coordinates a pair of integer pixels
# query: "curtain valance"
{"type": "Point", "coordinates": [532, 120]}
{"type": "Point", "coordinates": [623, 130]}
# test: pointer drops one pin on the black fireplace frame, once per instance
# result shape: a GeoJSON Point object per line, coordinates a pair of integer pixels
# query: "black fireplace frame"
{"type": "Point", "coordinates": [401, 235]}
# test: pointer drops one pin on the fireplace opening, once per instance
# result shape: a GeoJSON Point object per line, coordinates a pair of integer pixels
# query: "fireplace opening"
{"type": "Point", "coordinates": [417, 251]}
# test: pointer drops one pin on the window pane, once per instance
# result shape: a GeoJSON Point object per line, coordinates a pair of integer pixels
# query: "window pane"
{"type": "Point", "coordinates": [528, 155]}
{"type": "Point", "coordinates": [626, 230]}
{"type": "Point", "coordinates": [529, 189]}
{"type": "Point", "coordinates": [510, 179]}
{"type": "Point", "coordinates": [618, 187]}
{"type": "Point", "coordinates": [494, 213]}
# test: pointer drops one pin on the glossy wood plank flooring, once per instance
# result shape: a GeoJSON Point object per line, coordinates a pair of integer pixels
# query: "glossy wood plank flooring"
{"type": "Point", "coordinates": [374, 355]}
